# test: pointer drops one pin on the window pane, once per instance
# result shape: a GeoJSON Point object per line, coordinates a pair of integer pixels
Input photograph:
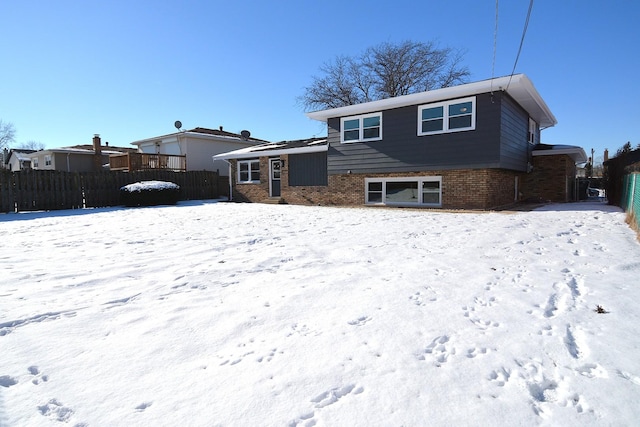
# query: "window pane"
{"type": "Point", "coordinates": [244, 176]}
{"type": "Point", "coordinates": [432, 125]}
{"type": "Point", "coordinates": [352, 135]}
{"type": "Point", "coordinates": [431, 198]}
{"type": "Point", "coordinates": [431, 186]}
{"type": "Point", "coordinates": [432, 113]}
{"type": "Point", "coordinates": [255, 175]}
{"type": "Point", "coordinates": [462, 108]}
{"type": "Point", "coordinates": [371, 133]}
{"type": "Point", "coordinates": [375, 186]}
{"type": "Point", "coordinates": [351, 124]}
{"type": "Point", "coordinates": [460, 122]}
{"type": "Point", "coordinates": [371, 122]}
{"type": "Point", "coordinates": [374, 197]}
{"type": "Point", "coordinates": [402, 192]}
{"type": "Point", "coordinates": [244, 167]}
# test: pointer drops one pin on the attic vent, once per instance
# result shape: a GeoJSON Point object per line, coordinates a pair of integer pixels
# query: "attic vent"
{"type": "Point", "coordinates": [245, 134]}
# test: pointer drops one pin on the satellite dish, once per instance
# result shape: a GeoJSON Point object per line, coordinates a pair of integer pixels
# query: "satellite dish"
{"type": "Point", "coordinates": [245, 134]}
{"type": "Point", "coordinates": [178, 124]}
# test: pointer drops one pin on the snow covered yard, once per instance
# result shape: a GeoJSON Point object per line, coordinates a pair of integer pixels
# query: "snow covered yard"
{"type": "Point", "coordinates": [206, 314]}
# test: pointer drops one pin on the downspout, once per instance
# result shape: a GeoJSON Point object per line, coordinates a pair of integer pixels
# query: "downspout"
{"type": "Point", "coordinates": [68, 164]}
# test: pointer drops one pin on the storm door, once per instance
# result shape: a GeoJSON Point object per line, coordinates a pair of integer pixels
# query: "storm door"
{"type": "Point", "coordinates": [274, 177]}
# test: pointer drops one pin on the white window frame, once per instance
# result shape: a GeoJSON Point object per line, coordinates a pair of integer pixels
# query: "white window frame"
{"type": "Point", "coordinates": [249, 164]}
{"type": "Point", "coordinates": [34, 163]}
{"type": "Point", "coordinates": [445, 116]}
{"type": "Point", "coordinates": [361, 128]}
{"type": "Point", "coordinates": [47, 160]}
{"type": "Point", "coordinates": [419, 179]}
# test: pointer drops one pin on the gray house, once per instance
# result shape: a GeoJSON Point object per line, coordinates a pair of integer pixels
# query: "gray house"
{"type": "Point", "coordinates": [475, 145]}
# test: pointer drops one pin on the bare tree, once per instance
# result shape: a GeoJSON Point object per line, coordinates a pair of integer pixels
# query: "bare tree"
{"type": "Point", "coordinates": [31, 145]}
{"type": "Point", "coordinates": [384, 71]}
{"type": "Point", "coordinates": [7, 134]}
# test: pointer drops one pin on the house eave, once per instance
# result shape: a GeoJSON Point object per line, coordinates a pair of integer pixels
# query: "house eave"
{"type": "Point", "coordinates": [252, 154]}
{"type": "Point", "coordinates": [576, 153]}
{"type": "Point", "coordinates": [518, 86]}
{"type": "Point", "coordinates": [173, 136]}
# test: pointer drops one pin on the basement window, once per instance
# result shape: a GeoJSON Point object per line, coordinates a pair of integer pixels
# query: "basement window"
{"type": "Point", "coordinates": [450, 116]}
{"type": "Point", "coordinates": [410, 191]}
{"type": "Point", "coordinates": [248, 171]}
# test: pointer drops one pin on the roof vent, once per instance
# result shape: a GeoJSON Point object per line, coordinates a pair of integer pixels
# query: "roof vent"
{"type": "Point", "coordinates": [245, 134]}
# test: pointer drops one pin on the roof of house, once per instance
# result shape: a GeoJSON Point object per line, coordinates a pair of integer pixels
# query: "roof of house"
{"type": "Point", "coordinates": [518, 86]}
{"type": "Point", "coordinates": [73, 150]}
{"type": "Point", "coordinates": [576, 153]}
{"type": "Point", "coordinates": [107, 148]}
{"type": "Point", "coordinates": [217, 133]}
{"type": "Point", "coordinates": [299, 146]}
{"type": "Point", "coordinates": [20, 154]}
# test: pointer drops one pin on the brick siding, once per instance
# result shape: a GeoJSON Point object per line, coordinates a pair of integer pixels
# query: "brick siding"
{"type": "Point", "coordinates": [461, 189]}
{"type": "Point", "coordinates": [552, 179]}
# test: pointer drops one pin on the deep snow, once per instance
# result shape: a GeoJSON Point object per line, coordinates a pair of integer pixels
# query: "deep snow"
{"type": "Point", "coordinates": [206, 314]}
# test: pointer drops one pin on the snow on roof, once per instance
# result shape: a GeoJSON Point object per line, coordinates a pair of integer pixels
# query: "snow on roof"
{"type": "Point", "coordinates": [310, 145]}
{"type": "Point", "coordinates": [518, 86]}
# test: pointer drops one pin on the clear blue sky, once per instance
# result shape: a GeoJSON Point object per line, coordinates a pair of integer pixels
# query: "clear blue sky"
{"type": "Point", "coordinates": [129, 69]}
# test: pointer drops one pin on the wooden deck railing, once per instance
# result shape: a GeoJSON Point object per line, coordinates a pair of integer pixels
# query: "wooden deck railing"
{"type": "Point", "coordinates": [145, 161]}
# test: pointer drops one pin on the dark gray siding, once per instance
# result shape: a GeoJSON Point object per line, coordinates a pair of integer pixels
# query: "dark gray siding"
{"type": "Point", "coordinates": [514, 146]}
{"type": "Point", "coordinates": [308, 169]}
{"type": "Point", "coordinates": [401, 150]}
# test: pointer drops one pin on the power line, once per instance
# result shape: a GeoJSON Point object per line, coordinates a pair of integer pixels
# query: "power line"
{"type": "Point", "coordinates": [495, 48]}
{"type": "Point", "coordinates": [524, 31]}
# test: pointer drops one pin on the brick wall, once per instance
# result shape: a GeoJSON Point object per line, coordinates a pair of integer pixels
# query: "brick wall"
{"type": "Point", "coordinates": [461, 189]}
{"type": "Point", "coordinates": [552, 179]}
{"type": "Point", "coordinates": [251, 192]}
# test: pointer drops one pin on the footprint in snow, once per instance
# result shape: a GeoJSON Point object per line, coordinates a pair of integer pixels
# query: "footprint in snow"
{"type": "Point", "coordinates": [144, 405]}
{"type": "Point", "coordinates": [7, 381]}
{"type": "Point", "coordinates": [56, 411]}
{"type": "Point", "coordinates": [359, 321]}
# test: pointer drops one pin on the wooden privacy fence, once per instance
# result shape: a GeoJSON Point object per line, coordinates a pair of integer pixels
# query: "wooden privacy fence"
{"type": "Point", "coordinates": [51, 190]}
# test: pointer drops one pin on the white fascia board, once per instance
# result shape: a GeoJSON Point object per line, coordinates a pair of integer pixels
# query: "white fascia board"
{"type": "Point", "coordinates": [520, 88]}
{"type": "Point", "coordinates": [251, 154]}
{"type": "Point", "coordinates": [576, 153]}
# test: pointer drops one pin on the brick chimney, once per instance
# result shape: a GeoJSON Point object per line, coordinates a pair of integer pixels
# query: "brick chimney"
{"type": "Point", "coordinates": [606, 154]}
{"type": "Point", "coordinates": [97, 153]}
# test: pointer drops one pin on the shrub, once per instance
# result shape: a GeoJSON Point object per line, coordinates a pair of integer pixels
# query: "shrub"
{"type": "Point", "coordinates": [150, 193]}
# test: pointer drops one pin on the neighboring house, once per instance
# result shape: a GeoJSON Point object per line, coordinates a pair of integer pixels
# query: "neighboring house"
{"type": "Point", "coordinates": [198, 146]}
{"type": "Point", "coordinates": [80, 158]}
{"type": "Point", "coordinates": [18, 159]}
{"type": "Point", "coordinates": [475, 146]}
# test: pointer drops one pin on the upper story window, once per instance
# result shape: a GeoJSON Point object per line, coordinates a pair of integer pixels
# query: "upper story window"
{"type": "Point", "coordinates": [450, 116]}
{"type": "Point", "coordinates": [363, 128]}
{"type": "Point", "coordinates": [248, 171]}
